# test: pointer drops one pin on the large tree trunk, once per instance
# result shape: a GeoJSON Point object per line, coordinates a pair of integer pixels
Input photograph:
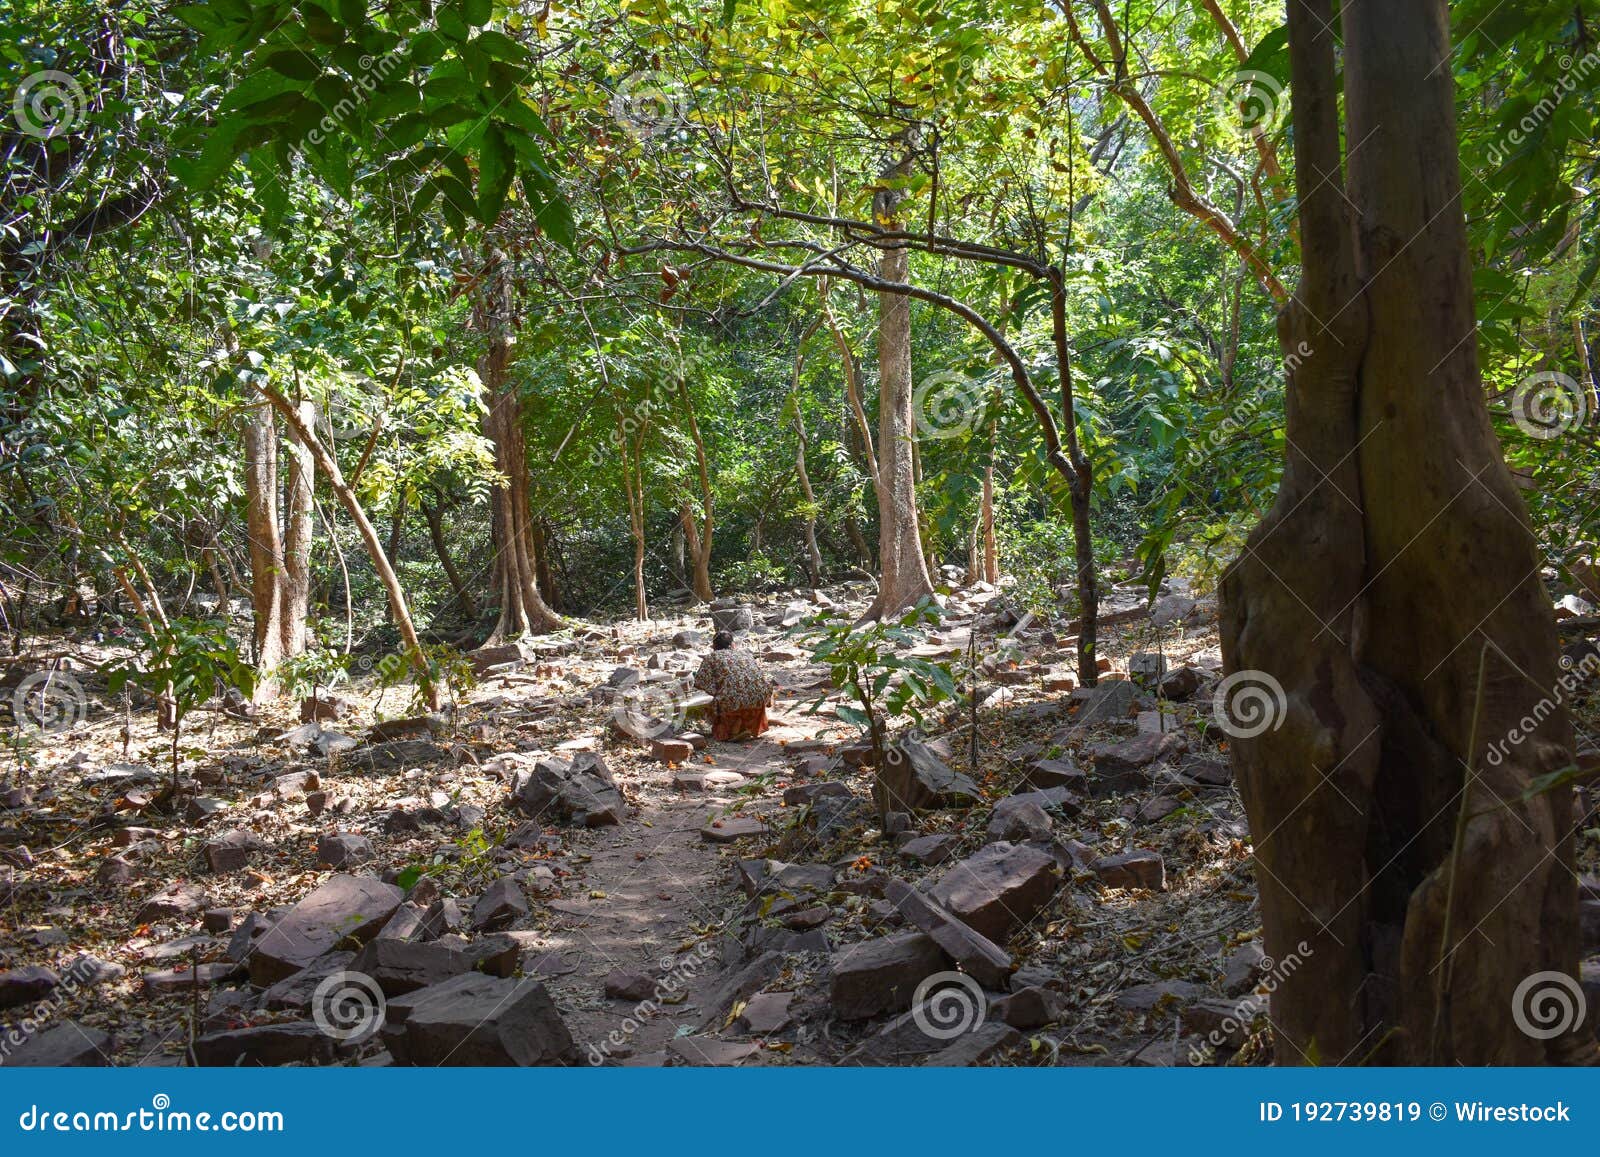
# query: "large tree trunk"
{"type": "Point", "coordinates": [522, 609]}
{"type": "Point", "coordinates": [903, 573]}
{"type": "Point", "coordinates": [266, 548]}
{"type": "Point", "coordinates": [297, 529]}
{"type": "Point", "coordinates": [1387, 614]}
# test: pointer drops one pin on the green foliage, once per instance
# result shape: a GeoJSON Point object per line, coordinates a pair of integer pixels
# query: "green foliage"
{"type": "Point", "coordinates": [887, 687]}
{"type": "Point", "coordinates": [184, 662]}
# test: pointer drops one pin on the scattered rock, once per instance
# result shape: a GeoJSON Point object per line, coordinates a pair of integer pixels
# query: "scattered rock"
{"type": "Point", "coordinates": [343, 849]}
{"type": "Point", "coordinates": [346, 908]}
{"type": "Point", "coordinates": [1000, 887]}
{"type": "Point", "coordinates": [975, 1047]}
{"type": "Point", "coordinates": [67, 1045]}
{"type": "Point", "coordinates": [397, 754]}
{"type": "Point", "coordinates": [1043, 774]}
{"type": "Point", "coordinates": [1018, 819]}
{"type": "Point", "coordinates": [401, 966]}
{"type": "Point", "coordinates": [620, 984]}
{"type": "Point", "coordinates": [19, 986]}
{"type": "Point", "coordinates": [709, 1051]}
{"type": "Point", "coordinates": [1120, 768]}
{"type": "Point", "coordinates": [172, 901]}
{"type": "Point", "coordinates": [765, 1013]}
{"type": "Point", "coordinates": [1028, 1008]}
{"type": "Point", "coordinates": [803, 794]}
{"type": "Point", "coordinates": [501, 903]}
{"type": "Point", "coordinates": [1181, 683]}
{"type": "Point", "coordinates": [913, 778]}
{"type": "Point", "coordinates": [978, 956]}
{"type": "Point", "coordinates": [200, 808]}
{"type": "Point", "coordinates": [727, 615]}
{"type": "Point", "coordinates": [878, 976]}
{"type": "Point", "coordinates": [1243, 967]}
{"type": "Point", "coordinates": [580, 791]}
{"type": "Point", "coordinates": [726, 831]}
{"type": "Point", "coordinates": [476, 1019]}
{"type": "Point", "coordinates": [930, 850]}
{"type": "Point", "coordinates": [296, 1042]}
{"type": "Point", "coordinates": [1106, 702]}
{"type": "Point", "coordinates": [1135, 869]}
{"type": "Point", "coordinates": [671, 750]}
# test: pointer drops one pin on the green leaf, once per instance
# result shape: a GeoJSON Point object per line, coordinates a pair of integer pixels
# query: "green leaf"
{"type": "Point", "coordinates": [495, 173]}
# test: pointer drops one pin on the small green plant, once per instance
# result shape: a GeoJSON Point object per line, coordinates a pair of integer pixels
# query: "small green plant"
{"type": "Point", "coordinates": [446, 667]}
{"type": "Point", "coordinates": [887, 687]}
{"type": "Point", "coordinates": [183, 663]}
{"type": "Point", "coordinates": [308, 673]}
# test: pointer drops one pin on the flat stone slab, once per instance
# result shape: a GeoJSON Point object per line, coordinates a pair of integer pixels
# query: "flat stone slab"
{"type": "Point", "coordinates": [1000, 887]}
{"type": "Point", "coordinates": [981, 958]}
{"type": "Point", "coordinates": [727, 831]}
{"type": "Point", "coordinates": [878, 976]}
{"type": "Point", "coordinates": [351, 908]}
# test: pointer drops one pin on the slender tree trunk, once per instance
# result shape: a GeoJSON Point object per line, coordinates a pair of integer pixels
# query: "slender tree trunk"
{"type": "Point", "coordinates": [435, 520]}
{"type": "Point", "coordinates": [266, 548]}
{"type": "Point", "coordinates": [295, 592]}
{"type": "Point", "coordinates": [807, 494]}
{"type": "Point", "coordinates": [903, 573]}
{"type": "Point", "coordinates": [1387, 615]}
{"type": "Point", "coordinates": [991, 546]}
{"type": "Point", "coordinates": [700, 542]}
{"type": "Point", "coordinates": [329, 466]}
{"type": "Point", "coordinates": [544, 573]}
{"type": "Point", "coordinates": [522, 609]}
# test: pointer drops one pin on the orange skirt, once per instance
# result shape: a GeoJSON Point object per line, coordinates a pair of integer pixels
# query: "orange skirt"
{"type": "Point", "coordinates": [744, 724]}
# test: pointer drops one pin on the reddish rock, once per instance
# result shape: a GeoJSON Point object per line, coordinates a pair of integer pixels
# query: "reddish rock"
{"type": "Point", "coordinates": [878, 976]}
{"type": "Point", "coordinates": [1002, 886]}
{"type": "Point", "coordinates": [346, 908]}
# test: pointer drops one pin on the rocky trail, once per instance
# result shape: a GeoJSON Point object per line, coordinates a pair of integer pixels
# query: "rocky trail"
{"type": "Point", "coordinates": [562, 871]}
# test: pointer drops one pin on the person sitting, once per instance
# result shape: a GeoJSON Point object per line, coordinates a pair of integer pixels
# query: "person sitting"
{"type": "Point", "coordinates": [739, 690]}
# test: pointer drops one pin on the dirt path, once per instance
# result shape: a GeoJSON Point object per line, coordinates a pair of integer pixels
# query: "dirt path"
{"type": "Point", "coordinates": [657, 900]}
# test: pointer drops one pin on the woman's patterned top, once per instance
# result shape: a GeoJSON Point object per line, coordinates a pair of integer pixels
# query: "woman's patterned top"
{"type": "Point", "coordinates": [734, 679]}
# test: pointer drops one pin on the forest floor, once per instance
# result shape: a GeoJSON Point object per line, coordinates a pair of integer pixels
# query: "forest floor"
{"type": "Point", "coordinates": [747, 908]}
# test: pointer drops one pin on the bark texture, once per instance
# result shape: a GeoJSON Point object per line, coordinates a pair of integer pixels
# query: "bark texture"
{"type": "Point", "coordinates": [1388, 612]}
{"type": "Point", "coordinates": [903, 574]}
{"type": "Point", "coordinates": [522, 609]}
